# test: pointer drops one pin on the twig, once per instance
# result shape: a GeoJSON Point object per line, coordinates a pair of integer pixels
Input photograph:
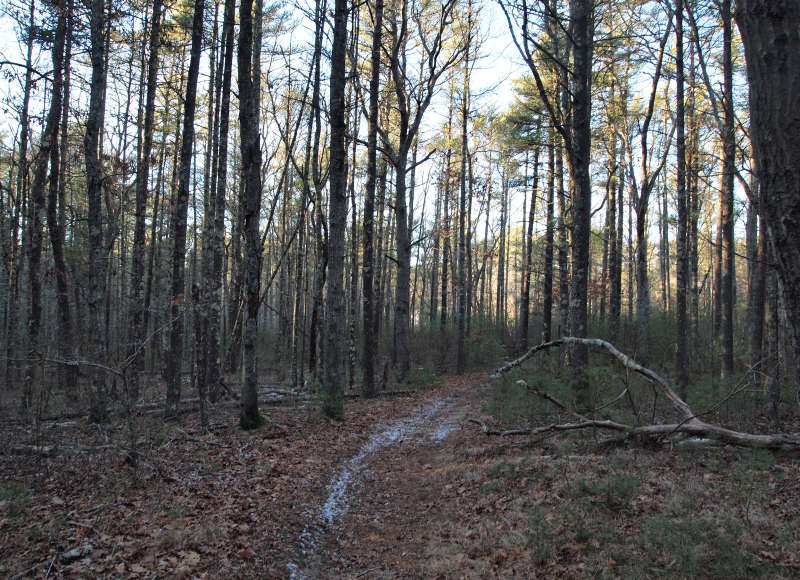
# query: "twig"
{"type": "Point", "coordinates": [82, 525]}
{"type": "Point", "coordinates": [50, 567]}
{"type": "Point", "coordinates": [617, 398]}
{"type": "Point", "coordinates": [201, 441]}
{"type": "Point", "coordinates": [26, 572]}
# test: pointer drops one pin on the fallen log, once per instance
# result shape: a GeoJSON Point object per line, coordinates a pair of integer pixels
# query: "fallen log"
{"type": "Point", "coordinates": [690, 425]}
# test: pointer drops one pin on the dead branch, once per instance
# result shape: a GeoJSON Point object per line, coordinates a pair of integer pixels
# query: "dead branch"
{"type": "Point", "coordinates": [50, 450]}
{"type": "Point", "coordinates": [199, 441]}
{"type": "Point", "coordinates": [690, 424]}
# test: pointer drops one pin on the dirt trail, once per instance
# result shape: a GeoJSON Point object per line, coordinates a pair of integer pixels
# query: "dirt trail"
{"type": "Point", "coordinates": [406, 487]}
{"type": "Point", "coordinates": [416, 434]}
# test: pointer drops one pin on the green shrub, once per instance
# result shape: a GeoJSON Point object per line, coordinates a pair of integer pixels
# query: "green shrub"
{"type": "Point", "coordinates": [694, 545]}
{"type": "Point", "coordinates": [540, 537]}
{"type": "Point", "coordinates": [17, 497]}
{"type": "Point", "coordinates": [614, 491]}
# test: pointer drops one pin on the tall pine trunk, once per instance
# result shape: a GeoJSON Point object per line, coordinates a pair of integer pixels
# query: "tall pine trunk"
{"type": "Point", "coordinates": [334, 375]}
{"type": "Point", "coordinates": [180, 208]}
{"type": "Point", "coordinates": [94, 192]}
{"type": "Point", "coordinates": [772, 51]}
{"type": "Point", "coordinates": [368, 271]}
{"type": "Point", "coordinates": [250, 207]}
{"type": "Point", "coordinates": [682, 246]}
{"type": "Point", "coordinates": [138, 330]}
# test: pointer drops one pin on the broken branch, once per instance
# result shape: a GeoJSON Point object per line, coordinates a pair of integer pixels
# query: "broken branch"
{"type": "Point", "coordinates": [689, 425]}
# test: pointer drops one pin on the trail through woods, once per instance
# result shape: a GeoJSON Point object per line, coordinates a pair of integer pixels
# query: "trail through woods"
{"type": "Point", "coordinates": [406, 487]}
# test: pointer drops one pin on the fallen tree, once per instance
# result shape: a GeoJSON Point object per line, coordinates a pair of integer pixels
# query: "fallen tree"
{"type": "Point", "coordinates": [690, 423]}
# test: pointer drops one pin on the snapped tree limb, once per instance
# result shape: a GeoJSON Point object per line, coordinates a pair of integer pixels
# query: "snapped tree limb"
{"type": "Point", "coordinates": [690, 424]}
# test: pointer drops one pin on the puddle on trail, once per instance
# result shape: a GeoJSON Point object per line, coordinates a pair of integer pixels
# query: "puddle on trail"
{"type": "Point", "coordinates": [417, 426]}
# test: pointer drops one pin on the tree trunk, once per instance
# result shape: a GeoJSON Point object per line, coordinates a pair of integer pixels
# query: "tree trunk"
{"type": "Point", "coordinates": [368, 272]}
{"type": "Point", "coordinates": [20, 210]}
{"type": "Point", "coordinates": [528, 264]}
{"type": "Point", "coordinates": [94, 192]}
{"type": "Point", "coordinates": [180, 208]}
{"type": "Point", "coordinates": [48, 153]}
{"type": "Point", "coordinates": [772, 51]}
{"type": "Point", "coordinates": [55, 211]}
{"type": "Point", "coordinates": [334, 376]}
{"type": "Point", "coordinates": [682, 262]}
{"type": "Point", "coordinates": [582, 32]}
{"type": "Point", "coordinates": [138, 329]}
{"type": "Point", "coordinates": [463, 218]}
{"type": "Point", "coordinates": [615, 254]}
{"type": "Point", "coordinates": [219, 188]}
{"type": "Point", "coordinates": [250, 206]}
{"type": "Point", "coordinates": [321, 247]}
{"type": "Point", "coordinates": [726, 195]}
{"type": "Point", "coordinates": [500, 315]}
{"type": "Point", "coordinates": [547, 290]}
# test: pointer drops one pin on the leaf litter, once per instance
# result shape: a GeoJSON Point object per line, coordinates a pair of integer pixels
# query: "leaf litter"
{"type": "Point", "coordinates": [406, 487]}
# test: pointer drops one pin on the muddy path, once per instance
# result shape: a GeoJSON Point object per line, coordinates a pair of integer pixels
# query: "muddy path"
{"type": "Point", "coordinates": [372, 500]}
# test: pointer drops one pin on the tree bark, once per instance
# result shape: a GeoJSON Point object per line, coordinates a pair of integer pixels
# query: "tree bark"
{"type": "Point", "coordinates": [180, 208]}
{"type": "Point", "coordinates": [682, 263]}
{"type": "Point", "coordinates": [250, 206]}
{"type": "Point", "coordinates": [334, 376]}
{"type": "Point", "coordinates": [138, 329]}
{"type": "Point", "coordinates": [368, 271]}
{"type": "Point", "coordinates": [98, 412]}
{"type": "Point", "coordinates": [525, 307]}
{"type": "Point", "coordinates": [547, 290]}
{"type": "Point", "coordinates": [48, 153]}
{"type": "Point", "coordinates": [726, 193]}
{"type": "Point", "coordinates": [772, 50]}
{"type": "Point", "coordinates": [463, 218]}
{"type": "Point", "coordinates": [582, 33]}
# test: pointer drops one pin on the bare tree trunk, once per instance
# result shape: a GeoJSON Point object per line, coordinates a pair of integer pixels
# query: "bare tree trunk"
{"type": "Point", "coordinates": [682, 263]}
{"type": "Point", "coordinates": [94, 192]}
{"type": "Point", "coordinates": [463, 219]}
{"type": "Point", "coordinates": [547, 290]}
{"type": "Point", "coordinates": [352, 105]}
{"type": "Point", "coordinates": [321, 246]}
{"type": "Point", "coordinates": [772, 51]}
{"type": "Point", "coordinates": [48, 153]}
{"type": "Point", "coordinates": [334, 375]}
{"type": "Point", "coordinates": [770, 358]}
{"type": "Point", "coordinates": [412, 102]}
{"type": "Point", "coordinates": [563, 247]}
{"type": "Point", "coordinates": [55, 215]}
{"type": "Point", "coordinates": [581, 25]}
{"type": "Point", "coordinates": [219, 188]}
{"type": "Point", "coordinates": [615, 254]}
{"type": "Point", "coordinates": [180, 208]}
{"type": "Point", "coordinates": [500, 315]}
{"type": "Point", "coordinates": [250, 206]}
{"type": "Point", "coordinates": [726, 194]}
{"type": "Point", "coordinates": [138, 329]}
{"type": "Point", "coordinates": [663, 250]}
{"type": "Point", "coordinates": [528, 263]}
{"type": "Point", "coordinates": [368, 273]}
{"type": "Point", "coordinates": [437, 237]}
{"type": "Point", "coordinates": [760, 270]}
{"type": "Point", "coordinates": [446, 231]}
{"type": "Point", "coordinates": [16, 256]}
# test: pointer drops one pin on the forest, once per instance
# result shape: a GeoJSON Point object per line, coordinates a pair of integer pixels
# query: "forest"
{"type": "Point", "coordinates": [527, 269]}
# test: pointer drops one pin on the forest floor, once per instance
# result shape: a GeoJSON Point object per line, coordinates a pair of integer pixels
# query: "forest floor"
{"type": "Point", "coordinates": [406, 487]}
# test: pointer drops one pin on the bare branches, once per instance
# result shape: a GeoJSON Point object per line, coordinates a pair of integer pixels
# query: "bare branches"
{"type": "Point", "coordinates": [689, 425]}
